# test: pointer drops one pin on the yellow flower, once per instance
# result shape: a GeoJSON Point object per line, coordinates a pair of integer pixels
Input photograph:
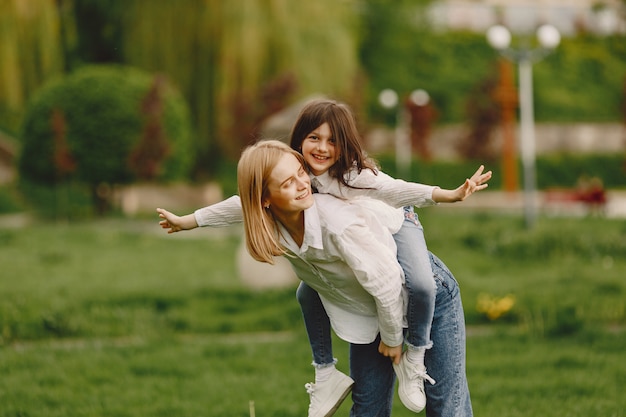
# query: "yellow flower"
{"type": "Point", "coordinates": [494, 307]}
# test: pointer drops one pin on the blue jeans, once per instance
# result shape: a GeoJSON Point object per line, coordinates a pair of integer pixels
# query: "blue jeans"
{"type": "Point", "coordinates": [445, 361]}
{"type": "Point", "coordinates": [317, 325]}
{"type": "Point", "coordinates": [373, 375]}
{"type": "Point", "coordinates": [419, 281]}
{"type": "Point", "coordinates": [374, 380]}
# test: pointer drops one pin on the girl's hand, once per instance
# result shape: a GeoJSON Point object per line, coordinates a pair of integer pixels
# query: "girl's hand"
{"type": "Point", "coordinates": [477, 182]}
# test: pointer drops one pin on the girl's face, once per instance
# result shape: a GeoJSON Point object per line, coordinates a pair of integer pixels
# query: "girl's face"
{"type": "Point", "coordinates": [319, 150]}
{"type": "Point", "coordinates": [288, 188]}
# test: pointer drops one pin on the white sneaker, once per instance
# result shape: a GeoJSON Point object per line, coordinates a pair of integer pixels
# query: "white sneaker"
{"type": "Point", "coordinates": [327, 396]}
{"type": "Point", "coordinates": [411, 384]}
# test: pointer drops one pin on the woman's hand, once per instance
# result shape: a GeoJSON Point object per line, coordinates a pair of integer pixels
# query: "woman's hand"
{"type": "Point", "coordinates": [394, 353]}
{"type": "Point", "coordinates": [174, 223]}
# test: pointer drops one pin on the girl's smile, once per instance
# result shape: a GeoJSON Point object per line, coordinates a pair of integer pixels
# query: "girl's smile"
{"type": "Point", "coordinates": [319, 150]}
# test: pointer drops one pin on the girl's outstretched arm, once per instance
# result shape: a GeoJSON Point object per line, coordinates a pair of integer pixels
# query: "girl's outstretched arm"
{"type": "Point", "coordinates": [397, 192]}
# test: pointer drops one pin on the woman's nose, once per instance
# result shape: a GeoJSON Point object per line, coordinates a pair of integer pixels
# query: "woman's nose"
{"type": "Point", "coordinates": [303, 182]}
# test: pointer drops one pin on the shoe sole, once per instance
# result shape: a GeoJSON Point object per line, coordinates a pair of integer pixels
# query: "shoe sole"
{"type": "Point", "coordinates": [339, 401]}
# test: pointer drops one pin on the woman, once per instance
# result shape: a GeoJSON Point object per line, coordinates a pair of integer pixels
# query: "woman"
{"type": "Point", "coordinates": [347, 255]}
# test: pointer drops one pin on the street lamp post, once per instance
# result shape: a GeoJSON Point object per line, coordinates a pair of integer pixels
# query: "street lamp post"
{"type": "Point", "coordinates": [549, 38]}
{"type": "Point", "coordinates": [388, 98]}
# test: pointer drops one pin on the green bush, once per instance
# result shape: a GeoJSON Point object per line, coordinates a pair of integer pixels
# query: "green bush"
{"type": "Point", "coordinates": [105, 124]}
{"type": "Point", "coordinates": [565, 170]}
{"type": "Point", "coordinates": [65, 201]}
{"type": "Point", "coordinates": [10, 200]}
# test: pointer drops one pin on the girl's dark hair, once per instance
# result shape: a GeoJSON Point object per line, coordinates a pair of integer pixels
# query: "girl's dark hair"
{"type": "Point", "coordinates": [344, 131]}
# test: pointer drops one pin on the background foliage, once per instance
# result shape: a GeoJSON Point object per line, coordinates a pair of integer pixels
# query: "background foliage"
{"type": "Point", "coordinates": [568, 84]}
{"type": "Point", "coordinates": [105, 125]}
{"type": "Point", "coordinates": [102, 115]}
{"type": "Point", "coordinates": [236, 62]}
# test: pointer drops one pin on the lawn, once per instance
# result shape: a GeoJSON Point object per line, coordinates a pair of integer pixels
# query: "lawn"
{"type": "Point", "coordinates": [116, 318]}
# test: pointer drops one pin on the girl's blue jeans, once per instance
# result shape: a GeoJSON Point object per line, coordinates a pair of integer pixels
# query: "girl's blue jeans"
{"type": "Point", "coordinates": [419, 281]}
{"type": "Point", "coordinates": [373, 373]}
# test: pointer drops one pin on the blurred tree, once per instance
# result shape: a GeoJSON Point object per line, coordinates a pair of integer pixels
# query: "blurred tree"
{"type": "Point", "coordinates": [99, 30]}
{"type": "Point", "coordinates": [105, 125]}
{"type": "Point", "coordinates": [400, 50]}
{"type": "Point", "coordinates": [422, 117]}
{"type": "Point", "coordinates": [483, 116]}
{"type": "Point", "coordinates": [229, 57]}
{"type": "Point", "coordinates": [388, 30]}
{"type": "Point", "coordinates": [146, 157]}
{"type": "Point", "coordinates": [30, 53]}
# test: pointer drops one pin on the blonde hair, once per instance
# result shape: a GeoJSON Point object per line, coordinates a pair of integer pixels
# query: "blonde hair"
{"type": "Point", "coordinates": [253, 171]}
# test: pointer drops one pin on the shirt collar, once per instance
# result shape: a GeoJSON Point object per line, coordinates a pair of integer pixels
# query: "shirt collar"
{"type": "Point", "coordinates": [320, 182]}
{"type": "Point", "coordinates": [312, 232]}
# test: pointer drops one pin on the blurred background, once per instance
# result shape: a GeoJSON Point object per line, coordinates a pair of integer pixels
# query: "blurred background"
{"type": "Point", "coordinates": [101, 100]}
{"type": "Point", "coordinates": [111, 108]}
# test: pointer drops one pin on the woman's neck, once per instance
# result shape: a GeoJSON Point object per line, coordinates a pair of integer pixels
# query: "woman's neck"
{"type": "Point", "coordinates": [294, 223]}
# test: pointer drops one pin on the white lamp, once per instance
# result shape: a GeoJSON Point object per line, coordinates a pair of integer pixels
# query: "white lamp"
{"type": "Point", "coordinates": [499, 37]}
{"type": "Point", "coordinates": [549, 37]}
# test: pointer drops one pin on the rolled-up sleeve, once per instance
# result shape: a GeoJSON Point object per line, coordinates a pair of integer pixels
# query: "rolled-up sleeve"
{"type": "Point", "coordinates": [375, 266]}
{"type": "Point", "coordinates": [224, 213]}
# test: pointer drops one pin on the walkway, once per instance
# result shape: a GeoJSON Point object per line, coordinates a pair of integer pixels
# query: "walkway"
{"type": "Point", "coordinates": [502, 201]}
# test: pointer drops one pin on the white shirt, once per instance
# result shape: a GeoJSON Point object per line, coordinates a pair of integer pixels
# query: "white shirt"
{"type": "Point", "coordinates": [397, 193]}
{"type": "Point", "coordinates": [221, 214]}
{"type": "Point", "coordinates": [349, 258]}
{"type": "Point", "coordinates": [380, 187]}
{"type": "Point", "coordinates": [228, 212]}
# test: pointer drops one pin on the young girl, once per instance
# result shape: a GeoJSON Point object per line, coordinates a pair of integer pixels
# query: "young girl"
{"type": "Point", "coordinates": [325, 133]}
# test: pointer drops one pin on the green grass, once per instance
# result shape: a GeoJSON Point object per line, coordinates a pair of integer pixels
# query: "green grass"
{"type": "Point", "coordinates": [116, 318]}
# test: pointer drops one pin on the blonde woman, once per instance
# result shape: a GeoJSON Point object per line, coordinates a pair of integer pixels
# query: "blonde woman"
{"type": "Point", "coordinates": [345, 252]}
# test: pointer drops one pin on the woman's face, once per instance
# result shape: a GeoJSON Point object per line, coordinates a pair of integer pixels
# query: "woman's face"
{"type": "Point", "coordinates": [288, 187]}
{"type": "Point", "coordinates": [319, 151]}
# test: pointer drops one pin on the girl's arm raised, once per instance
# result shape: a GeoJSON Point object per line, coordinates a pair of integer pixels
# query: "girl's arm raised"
{"type": "Point", "coordinates": [399, 193]}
